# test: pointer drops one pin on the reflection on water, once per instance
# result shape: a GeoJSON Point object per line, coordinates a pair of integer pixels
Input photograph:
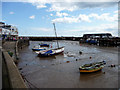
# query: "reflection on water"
{"type": "Point", "coordinates": [62, 71]}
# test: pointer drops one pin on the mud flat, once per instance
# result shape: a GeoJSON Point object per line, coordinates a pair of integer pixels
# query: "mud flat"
{"type": "Point", "coordinates": [57, 72]}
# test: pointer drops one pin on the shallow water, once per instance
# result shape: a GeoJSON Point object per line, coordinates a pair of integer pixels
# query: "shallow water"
{"type": "Point", "coordinates": [54, 72]}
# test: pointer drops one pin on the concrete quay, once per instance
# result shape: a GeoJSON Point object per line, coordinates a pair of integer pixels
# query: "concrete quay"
{"type": "Point", "coordinates": [11, 77]}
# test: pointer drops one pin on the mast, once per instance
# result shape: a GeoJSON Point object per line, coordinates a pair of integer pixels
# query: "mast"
{"type": "Point", "coordinates": [56, 34]}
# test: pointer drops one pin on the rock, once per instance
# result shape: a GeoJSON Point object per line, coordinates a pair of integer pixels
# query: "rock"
{"type": "Point", "coordinates": [90, 57]}
{"type": "Point", "coordinates": [103, 72]}
{"type": "Point", "coordinates": [112, 65]}
{"type": "Point", "coordinates": [20, 68]}
{"type": "Point", "coordinates": [80, 52]}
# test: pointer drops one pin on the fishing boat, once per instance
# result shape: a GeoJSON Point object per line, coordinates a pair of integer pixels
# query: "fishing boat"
{"type": "Point", "coordinates": [37, 48]}
{"type": "Point", "coordinates": [44, 45]}
{"type": "Point", "coordinates": [51, 52]}
{"type": "Point", "coordinates": [92, 67]}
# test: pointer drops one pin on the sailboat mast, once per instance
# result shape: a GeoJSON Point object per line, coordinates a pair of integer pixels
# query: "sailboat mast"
{"type": "Point", "coordinates": [56, 34]}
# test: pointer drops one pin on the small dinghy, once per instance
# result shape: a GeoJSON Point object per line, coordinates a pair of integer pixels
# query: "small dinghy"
{"type": "Point", "coordinates": [92, 67]}
{"type": "Point", "coordinates": [44, 45]}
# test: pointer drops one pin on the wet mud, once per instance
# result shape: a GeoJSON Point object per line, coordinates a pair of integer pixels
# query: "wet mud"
{"type": "Point", "coordinates": [62, 71]}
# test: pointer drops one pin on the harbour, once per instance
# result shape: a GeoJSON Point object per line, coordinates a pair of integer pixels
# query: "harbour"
{"type": "Point", "coordinates": [56, 72]}
{"type": "Point", "coordinates": [66, 44]}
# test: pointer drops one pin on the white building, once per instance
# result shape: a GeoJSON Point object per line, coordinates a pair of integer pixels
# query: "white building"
{"type": "Point", "coordinates": [8, 29]}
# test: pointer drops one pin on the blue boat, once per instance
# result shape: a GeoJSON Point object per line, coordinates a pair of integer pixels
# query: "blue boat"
{"type": "Point", "coordinates": [44, 45]}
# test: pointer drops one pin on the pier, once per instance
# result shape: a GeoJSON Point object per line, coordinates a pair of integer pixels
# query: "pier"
{"type": "Point", "coordinates": [104, 39]}
{"type": "Point", "coordinates": [107, 42]}
{"type": "Point", "coordinates": [54, 38]}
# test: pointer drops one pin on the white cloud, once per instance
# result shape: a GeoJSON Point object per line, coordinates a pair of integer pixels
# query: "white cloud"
{"type": "Point", "coordinates": [62, 6]}
{"type": "Point", "coordinates": [69, 5]}
{"type": "Point", "coordinates": [61, 14]}
{"type": "Point", "coordinates": [116, 11]}
{"type": "Point", "coordinates": [104, 16]}
{"type": "Point", "coordinates": [86, 18]}
{"type": "Point", "coordinates": [72, 19]}
{"type": "Point", "coordinates": [66, 20]}
{"type": "Point", "coordinates": [32, 17]}
{"type": "Point", "coordinates": [11, 12]}
{"type": "Point", "coordinates": [72, 6]}
{"type": "Point", "coordinates": [51, 14]}
{"type": "Point", "coordinates": [41, 6]}
{"type": "Point", "coordinates": [102, 9]}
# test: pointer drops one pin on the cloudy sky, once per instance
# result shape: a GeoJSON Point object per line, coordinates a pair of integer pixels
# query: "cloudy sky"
{"type": "Point", "coordinates": [72, 18]}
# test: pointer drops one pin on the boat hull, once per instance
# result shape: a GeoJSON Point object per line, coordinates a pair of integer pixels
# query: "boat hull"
{"type": "Point", "coordinates": [92, 67]}
{"type": "Point", "coordinates": [37, 49]}
{"type": "Point", "coordinates": [90, 71]}
{"type": "Point", "coordinates": [53, 52]}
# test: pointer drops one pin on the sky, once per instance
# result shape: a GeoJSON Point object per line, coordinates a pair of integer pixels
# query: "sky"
{"type": "Point", "coordinates": [72, 18]}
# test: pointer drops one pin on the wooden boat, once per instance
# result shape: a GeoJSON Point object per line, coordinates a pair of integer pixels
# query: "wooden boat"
{"type": "Point", "coordinates": [50, 52]}
{"type": "Point", "coordinates": [92, 67]}
{"type": "Point", "coordinates": [44, 45]}
{"type": "Point", "coordinates": [37, 48]}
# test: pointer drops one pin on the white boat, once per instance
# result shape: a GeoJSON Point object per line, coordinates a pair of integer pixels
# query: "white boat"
{"type": "Point", "coordinates": [51, 52]}
{"type": "Point", "coordinates": [37, 48]}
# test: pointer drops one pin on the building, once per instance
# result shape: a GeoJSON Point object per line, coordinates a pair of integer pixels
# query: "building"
{"type": "Point", "coordinates": [8, 31]}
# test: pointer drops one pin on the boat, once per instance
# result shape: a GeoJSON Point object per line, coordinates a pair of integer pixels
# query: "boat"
{"type": "Point", "coordinates": [37, 48]}
{"type": "Point", "coordinates": [51, 52]}
{"type": "Point", "coordinates": [92, 67]}
{"type": "Point", "coordinates": [44, 45]}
